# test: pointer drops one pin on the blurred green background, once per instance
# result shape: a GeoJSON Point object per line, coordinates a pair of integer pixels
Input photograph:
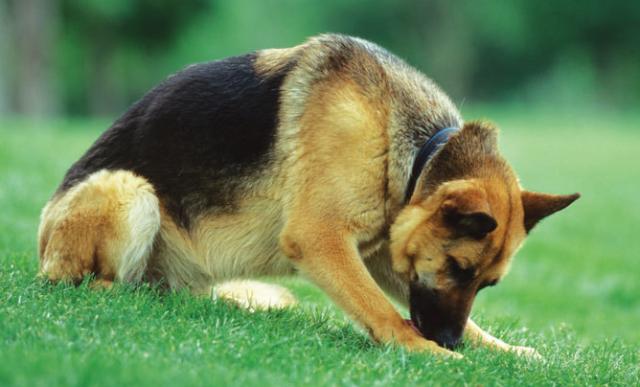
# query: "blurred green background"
{"type": "Point", "coordinates": [95, 57]}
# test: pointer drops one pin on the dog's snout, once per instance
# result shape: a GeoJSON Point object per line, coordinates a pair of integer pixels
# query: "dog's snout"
{"type": "Point", "coordinates": [438, 316]}
{"type": "Point", "coordinates": [447, 338]}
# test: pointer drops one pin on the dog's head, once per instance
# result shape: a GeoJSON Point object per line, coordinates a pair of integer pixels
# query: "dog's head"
{"type": "Point", "coordinates": [466, 218]}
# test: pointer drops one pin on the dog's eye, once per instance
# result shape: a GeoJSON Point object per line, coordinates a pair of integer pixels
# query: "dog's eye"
{"type": "Point", "coordinates": [460, 274]}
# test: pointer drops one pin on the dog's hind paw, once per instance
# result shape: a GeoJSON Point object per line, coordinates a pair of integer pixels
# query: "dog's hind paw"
{"type": "Point", "coordinates": [253, 295]}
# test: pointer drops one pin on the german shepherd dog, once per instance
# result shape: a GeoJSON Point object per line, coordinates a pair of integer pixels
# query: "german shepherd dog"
{"type": "Point", "coordinates": [333, 158]}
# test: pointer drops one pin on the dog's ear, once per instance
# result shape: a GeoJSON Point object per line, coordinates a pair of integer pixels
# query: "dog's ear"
{"type": "Point", "coordinates": [466, 212]}
{"type": "Point", "coordinates": [475, 225]}
{"type": "Point", "coordinates": [538, 206]}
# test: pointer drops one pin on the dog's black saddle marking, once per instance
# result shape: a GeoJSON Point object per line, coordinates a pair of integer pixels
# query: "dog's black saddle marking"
{"type": "Point", "coordinates": [193, 136]}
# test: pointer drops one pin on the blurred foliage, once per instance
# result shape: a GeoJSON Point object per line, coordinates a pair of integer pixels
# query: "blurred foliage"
{"type": "Point", "coordinates": [153, 23]}
{"type": "Point", "coordinates": [114, 38]}
{"type": "Point", "coordinates": [107, 53]}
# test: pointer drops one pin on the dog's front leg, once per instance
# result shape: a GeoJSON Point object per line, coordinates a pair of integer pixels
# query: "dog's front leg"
{"type": "Point", "coordinates": [480, 337]}
{"type": "Point", "coordinates": [332, 261]}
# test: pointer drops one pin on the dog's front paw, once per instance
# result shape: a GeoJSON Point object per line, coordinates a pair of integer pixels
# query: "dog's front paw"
{"type": "Point", "coordinates": [423, 345]}
{"type": "Point", "coordinates": [407, 337]}
{"type": "Point", "coordinates": [527, 352]}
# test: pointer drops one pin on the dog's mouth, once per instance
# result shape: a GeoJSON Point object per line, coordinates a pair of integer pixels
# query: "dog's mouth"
{"type": "Point", "coordinates": [437, 316]}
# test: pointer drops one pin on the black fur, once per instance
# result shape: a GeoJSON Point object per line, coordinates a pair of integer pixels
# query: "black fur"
{"type": "Point", "coordinates": [194, 136]}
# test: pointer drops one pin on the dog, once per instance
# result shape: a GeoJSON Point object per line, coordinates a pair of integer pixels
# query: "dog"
{"type": "Point", "coordinates": [334, 159]}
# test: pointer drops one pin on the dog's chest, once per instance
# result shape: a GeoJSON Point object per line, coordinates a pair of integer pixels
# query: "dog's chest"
{"type": "Point", "coordinates": [243, 243]}
{"type": "Point", "coordinates": [373, 243]}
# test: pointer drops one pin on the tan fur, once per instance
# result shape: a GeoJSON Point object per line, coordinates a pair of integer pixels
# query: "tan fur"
{"type": "Point", "coordinates": [271, 61]}
{"type": "Point", "coordinates": [105, 225]}
{"type": "Point", "coordinates": [243, 244]}
{"type": "Point", "coordinates": [174, 261]}
{"type": "Point", "coordinates": [479, 337]}
{"type": "Point", "coordinates": [253, 295]}
{"type": "Point", "coordinates": [331, 204]}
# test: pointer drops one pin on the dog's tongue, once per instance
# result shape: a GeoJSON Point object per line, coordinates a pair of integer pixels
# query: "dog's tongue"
{"type": "Point", "coordinates": [412, 325]}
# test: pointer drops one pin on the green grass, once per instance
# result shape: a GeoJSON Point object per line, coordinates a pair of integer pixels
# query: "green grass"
{"type": "Point", "coordinates": [573, 291]}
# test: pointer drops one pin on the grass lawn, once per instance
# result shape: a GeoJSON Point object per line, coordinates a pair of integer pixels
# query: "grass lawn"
{"type": "Point", "coordinates": [573, 291]}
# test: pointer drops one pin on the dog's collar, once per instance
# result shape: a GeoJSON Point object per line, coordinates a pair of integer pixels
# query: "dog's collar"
{"type": "Point", "coordinates": [424, 155]}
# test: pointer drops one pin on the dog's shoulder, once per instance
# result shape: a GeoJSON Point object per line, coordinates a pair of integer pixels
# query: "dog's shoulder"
{"type": "Point", "coordinates": [334, 61]}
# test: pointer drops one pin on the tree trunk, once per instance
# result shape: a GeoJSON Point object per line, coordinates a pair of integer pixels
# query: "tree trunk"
{"type": "Point", "coordinates": [105, 91]}
{"type": "Point", "coordinates": [448, 46]}
{"type": "Point", "coordinates": [5, 63]}
{"type": "Point", "coordinates": [34, 30]}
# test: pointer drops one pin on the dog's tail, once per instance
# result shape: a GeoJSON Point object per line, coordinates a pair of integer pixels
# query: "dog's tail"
{"type": "Point", "coordinates": [253, 295]}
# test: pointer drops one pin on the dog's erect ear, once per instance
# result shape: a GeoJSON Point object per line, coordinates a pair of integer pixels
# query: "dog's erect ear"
{"type": "Point", "coordinates": [538, 206]}
{"type": "Point", "coordinates": [466, 213]}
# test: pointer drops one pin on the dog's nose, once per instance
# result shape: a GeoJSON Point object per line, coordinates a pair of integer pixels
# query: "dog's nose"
{"type": "Point", "coordinates": [437, 316]}
{"type": "Point", "coordinates": [447, 338]}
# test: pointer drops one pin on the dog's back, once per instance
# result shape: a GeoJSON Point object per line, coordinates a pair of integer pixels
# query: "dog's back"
{"type": "Point", "coordinates": [193, 136]}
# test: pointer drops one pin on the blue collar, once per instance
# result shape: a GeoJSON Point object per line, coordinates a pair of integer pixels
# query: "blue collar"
{"type": "Point", "coordinates": [424, 155]}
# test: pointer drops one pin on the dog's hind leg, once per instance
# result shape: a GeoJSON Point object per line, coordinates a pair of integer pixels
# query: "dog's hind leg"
{"type": "Point", "coordinates": [106, 225]}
